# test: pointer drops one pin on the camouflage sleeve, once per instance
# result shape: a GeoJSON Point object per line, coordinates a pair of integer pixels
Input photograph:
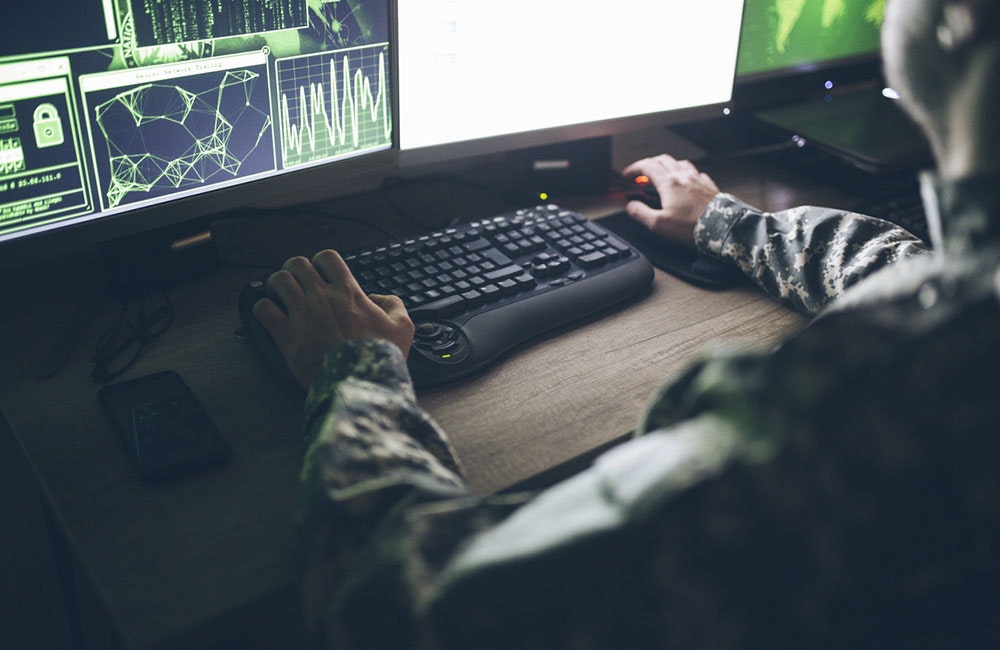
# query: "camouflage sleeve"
{"type": "Point", "coordinates": [771, 502]}
{"type": "Point", "coordinates": [805, 257]}
{"type": "Point", "coordinates": [398, 554]}
{"type": "Point", "coordinates": [371, 455]}
{"type": "Point", "coordinates": [770, 499]}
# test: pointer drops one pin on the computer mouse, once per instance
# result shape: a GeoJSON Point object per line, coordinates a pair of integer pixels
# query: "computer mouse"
{"type": "Point", "coordinates": [253, 332]}
{"type": "Point", "coordinates": [680, 261]}
{"type": "Point", "coordinates": [641, 188]}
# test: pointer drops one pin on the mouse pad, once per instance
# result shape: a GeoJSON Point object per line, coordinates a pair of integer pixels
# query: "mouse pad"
{"type": "Point", "coordinates": [682, 262]}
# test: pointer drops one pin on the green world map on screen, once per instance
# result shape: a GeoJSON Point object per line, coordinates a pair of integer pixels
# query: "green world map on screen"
{"type": "Point", "coordinates": [779, 34]}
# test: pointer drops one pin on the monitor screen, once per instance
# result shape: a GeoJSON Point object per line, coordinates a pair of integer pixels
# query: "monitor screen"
{"type": "Point", "coordinates": [139, 113]}
{"type": "Point", "coordinates": [789, 36]}
{"type": "Point", "coordinates": [477, 76]}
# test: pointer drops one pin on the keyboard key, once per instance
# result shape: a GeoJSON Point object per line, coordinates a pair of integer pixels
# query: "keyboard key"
{"type": "Point", "coordinates": [525, 281]}
{"type": "Point", "coordinates": [500, 263]}
{"type": "Point", "coordinates": [490, 291]}
{"type": "Point", "coordinates": [473, 298]}
{"type": "Point", "coordinates": [505, 272]}
{"type": "Point", "coordinates": [443, 308]}
{"type": "Point", "coordinates": [592, 260]}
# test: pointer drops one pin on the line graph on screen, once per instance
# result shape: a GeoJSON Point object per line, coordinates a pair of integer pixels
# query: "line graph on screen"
{"type": "Point", "coordinates": [333, 104]}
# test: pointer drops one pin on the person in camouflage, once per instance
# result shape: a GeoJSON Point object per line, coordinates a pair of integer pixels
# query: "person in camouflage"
{"type": "Point", "coordinates": [840, 491]}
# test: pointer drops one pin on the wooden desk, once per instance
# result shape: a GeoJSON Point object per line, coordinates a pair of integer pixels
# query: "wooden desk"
{"type": "Point", "coordinates": [208, 557]}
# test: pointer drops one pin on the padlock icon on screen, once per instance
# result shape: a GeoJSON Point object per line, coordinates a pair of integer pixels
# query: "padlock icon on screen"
{"type": "Point", "coordinates": [48, 126]}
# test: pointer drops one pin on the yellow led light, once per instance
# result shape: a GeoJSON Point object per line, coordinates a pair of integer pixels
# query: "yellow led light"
{"type": "Point", "coordinates": [445, 356]}
{"type": "Point", "coordinates": [543, 196]}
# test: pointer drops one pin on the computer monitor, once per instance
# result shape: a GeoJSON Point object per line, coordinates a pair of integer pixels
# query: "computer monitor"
{"type": "Point", "coordinates": [119, 116]}
{"type": "Point", "coordinates": [798, 49]}
{"type": "Point", "coordinates": [481, 76]}
{"type": "Point", "coordinates": [814, 70]}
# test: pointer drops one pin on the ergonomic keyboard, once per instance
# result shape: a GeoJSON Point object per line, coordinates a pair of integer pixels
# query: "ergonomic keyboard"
{"type": "Point", "coordinates": [476, 290]}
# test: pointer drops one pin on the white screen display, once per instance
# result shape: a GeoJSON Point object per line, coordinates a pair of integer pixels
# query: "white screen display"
{"type": "Point", "coordinates": [470, 69]}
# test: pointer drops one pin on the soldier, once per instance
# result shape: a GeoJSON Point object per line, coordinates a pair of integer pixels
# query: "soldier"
{"type": "Point", "coordinates": [838, 492]}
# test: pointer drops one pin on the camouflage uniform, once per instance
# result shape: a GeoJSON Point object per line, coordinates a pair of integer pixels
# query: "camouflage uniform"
{"type": "Point", "coordinates": [838, 492]}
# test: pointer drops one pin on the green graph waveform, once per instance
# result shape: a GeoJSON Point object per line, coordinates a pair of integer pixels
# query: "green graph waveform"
{"type": "Point", "coordinates": [358, 117]}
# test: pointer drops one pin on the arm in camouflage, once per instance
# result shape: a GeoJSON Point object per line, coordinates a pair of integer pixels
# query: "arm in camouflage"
{"type": "Point", "coordinates": [371, 454]}
{"type": "Point", "coordinates": [806, 256]}
{"type": "Point", "coordinates": [771, 502]}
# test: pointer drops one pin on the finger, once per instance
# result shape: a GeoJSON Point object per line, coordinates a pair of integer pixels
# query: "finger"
{"type": "Point", "coordinates": [333, 269]}
{"type": "Point", "coordinates": [687, 166]}
{"type": "Point", "coordinates": [270, 316]}
{"type": "Point", "coordinates": [391, 305]}
{"type": "Point", "coordinates": [666, 169]}
{"type": "Point", "coordinates": [282, 285]}
{"type": "Point", "coordinates": [646, 166]}
{"type": "Point", "coordinates": [304, 273]}
{"type": "Point", "coordinates": [663, 165]}
{"type": "Point", "coordinates": [638, 168]}
{"type": "Point", "coordinates": [642, 213]}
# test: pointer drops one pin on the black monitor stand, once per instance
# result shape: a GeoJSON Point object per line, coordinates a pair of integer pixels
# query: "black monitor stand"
{"type": "Point", "coordinates": [157, 259]}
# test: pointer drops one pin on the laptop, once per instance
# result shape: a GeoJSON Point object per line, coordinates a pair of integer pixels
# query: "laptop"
{"type": "Point", "coordinates": [862, 127]}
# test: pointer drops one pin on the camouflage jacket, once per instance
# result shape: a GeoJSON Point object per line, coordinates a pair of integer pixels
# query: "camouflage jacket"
{"type": "Point", "coordinates": [840, 491]}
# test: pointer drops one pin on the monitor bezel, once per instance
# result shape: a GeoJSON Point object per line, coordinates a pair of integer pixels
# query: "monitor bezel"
{"type": "Point", "coordinates": [806, 82]}
{"type": "Point", "coordinates": [326, 181]}
{"type": "Point", "coordinates": [502, 144]}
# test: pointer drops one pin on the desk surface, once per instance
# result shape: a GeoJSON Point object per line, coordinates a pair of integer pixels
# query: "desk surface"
{"type": "Point", "coordinates": [173, 560]}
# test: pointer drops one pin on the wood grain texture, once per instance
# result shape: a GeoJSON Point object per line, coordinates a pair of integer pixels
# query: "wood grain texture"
{"type": "Point", "coordinates": [198, 556]}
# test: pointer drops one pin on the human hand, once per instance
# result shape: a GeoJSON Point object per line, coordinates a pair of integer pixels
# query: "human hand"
{"type": "Point", "coordinates": [326, 306]}
{"type": "Point", "coordinates": [684, 194]}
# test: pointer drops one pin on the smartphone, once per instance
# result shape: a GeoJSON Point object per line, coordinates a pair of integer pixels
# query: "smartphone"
{"type": "Point", "coordinates": [163, 427]}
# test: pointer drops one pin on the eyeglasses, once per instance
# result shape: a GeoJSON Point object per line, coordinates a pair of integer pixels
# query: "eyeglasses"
{"type": "Point", "coordinates": [120, 346]}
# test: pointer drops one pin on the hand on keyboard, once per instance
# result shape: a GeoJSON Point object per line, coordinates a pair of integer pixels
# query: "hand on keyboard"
{"type": "Point", "coordinates": [323, 305]}
{"type": "Point", "coordinates": [474, 290]}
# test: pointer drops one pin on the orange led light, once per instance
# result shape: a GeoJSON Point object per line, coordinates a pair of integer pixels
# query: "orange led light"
{"type": "Point", "coordinates": [642, 180]}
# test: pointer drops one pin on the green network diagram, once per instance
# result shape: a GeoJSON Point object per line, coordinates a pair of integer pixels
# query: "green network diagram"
{"type": "Point", "coordinates": [187, 119]}
{"type": "Point", "coordinates": [162, 137]}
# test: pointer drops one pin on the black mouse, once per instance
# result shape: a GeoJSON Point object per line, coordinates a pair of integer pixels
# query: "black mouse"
{"type": "Point", "coordinates": [681, 261]}
{"type": "Point", "coordinates": [641, 188]}
{"type": "Point", "coordinates": [255, 333]}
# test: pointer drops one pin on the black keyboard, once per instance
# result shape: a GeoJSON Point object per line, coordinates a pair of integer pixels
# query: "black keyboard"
{"type": "Point", "coordinates": [903, 206]}
{"type": "Point", "coordinates": [477, 290]}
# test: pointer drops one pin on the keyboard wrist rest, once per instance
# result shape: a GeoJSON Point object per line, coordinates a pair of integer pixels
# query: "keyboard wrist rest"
{"type": "Point", "coordinates": [494, 332]}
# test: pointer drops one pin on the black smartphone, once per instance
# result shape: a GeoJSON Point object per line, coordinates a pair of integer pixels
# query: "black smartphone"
{"type": "Point", "coordinates": [163, 427]}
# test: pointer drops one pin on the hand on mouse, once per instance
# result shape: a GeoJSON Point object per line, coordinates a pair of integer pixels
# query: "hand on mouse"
{"type": "Point", "coordinates": [684, 194]}
{"type": "Point", "coordinates": [326, 306]}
